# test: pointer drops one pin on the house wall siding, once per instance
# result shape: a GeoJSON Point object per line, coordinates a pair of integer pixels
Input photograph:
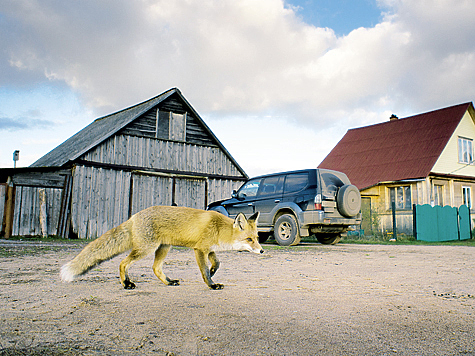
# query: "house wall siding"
{"type": "Point", "coordinates": [448, 163]}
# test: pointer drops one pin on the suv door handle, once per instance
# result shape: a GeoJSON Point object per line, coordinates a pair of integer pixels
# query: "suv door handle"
{"type": "Point", "coordinates": [277, 201]}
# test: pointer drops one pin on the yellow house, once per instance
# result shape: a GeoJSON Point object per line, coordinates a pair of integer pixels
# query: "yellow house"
{"type": "Point", "coordinates": [422, 159]}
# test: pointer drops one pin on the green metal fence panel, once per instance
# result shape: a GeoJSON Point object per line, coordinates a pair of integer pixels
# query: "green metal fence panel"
{"type": "Point", "coordinates": [464, 223]}
{"type": "Point", "coordinates": [441, 223]}
{"type": "Point", "coordinates": [447, 223]}
{"type": "Point", "coordinates": [426, 230]}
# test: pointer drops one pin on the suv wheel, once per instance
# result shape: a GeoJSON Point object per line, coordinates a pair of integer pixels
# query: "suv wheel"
{"type": "Point", "coordinates": [286, 230]}
{"type": "Point", "coordinates": [328, 239]}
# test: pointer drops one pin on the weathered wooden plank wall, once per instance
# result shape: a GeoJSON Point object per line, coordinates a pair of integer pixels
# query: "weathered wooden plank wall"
{"type": "Point", "coordinates": [157, 154]}
{"type": "Point", "coordinates": [100, 200]}
{"type": "Point", "coordinates": [3, 191]}
{"type": "Point", "coordinates": [219, 189]}
{"type": "Point", "coordinates": [149, 190]}
{"type": "Point", "coordinates": [26, 215]}
{"type": "Point", "coordinates": [190, 193]}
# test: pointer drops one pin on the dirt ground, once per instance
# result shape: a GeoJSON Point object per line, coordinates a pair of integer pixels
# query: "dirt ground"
{"type": "Point", "coordinates": [306, 300]}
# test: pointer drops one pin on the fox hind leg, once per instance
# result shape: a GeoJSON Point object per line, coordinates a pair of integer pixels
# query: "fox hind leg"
{"type": "Point", "coordinates": [214, 263]}
{"type": "Point", "coordinates": [124, 266]}
{"type": "Point", "coordinates": [205, 272]}
{"type": "Point", "coordinates": [160, 255]}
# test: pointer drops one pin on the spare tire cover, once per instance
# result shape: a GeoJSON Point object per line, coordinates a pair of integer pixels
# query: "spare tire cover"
{"type": "Point", "coordinates": [348, 200]}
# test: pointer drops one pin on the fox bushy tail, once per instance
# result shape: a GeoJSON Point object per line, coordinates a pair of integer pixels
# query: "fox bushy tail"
{"type": "Point", "coordinates": [108, 245]}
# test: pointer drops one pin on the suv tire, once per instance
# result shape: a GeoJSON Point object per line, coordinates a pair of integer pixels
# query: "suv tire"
{"type": "Point", "coordinates": [286, 230]}
{"type": "Point", "coordinates": [348, 200]}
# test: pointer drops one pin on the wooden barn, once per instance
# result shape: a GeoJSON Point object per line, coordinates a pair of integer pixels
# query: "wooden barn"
{"type": "Point", "coordinates": [159, 152]}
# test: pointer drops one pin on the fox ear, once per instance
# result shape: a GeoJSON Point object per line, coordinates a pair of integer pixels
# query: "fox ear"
{"type": "Point", "coordinates": [254, 217]}
{"type": "Point", "coordinates": [240, 221]}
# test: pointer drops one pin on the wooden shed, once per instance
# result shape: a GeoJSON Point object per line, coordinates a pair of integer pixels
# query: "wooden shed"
{"type": "Point", "coordinates": [159, 152]}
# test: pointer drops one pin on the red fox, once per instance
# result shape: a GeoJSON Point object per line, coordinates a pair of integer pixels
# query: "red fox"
{"type": "Point", "coordinates": [157, 229]}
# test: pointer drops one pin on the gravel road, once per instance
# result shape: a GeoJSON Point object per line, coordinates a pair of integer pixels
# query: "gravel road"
{"type": "Point", "coordinates": [305, 300]}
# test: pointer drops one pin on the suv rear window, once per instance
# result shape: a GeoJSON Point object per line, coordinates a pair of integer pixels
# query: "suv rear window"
{"type": "Point", "coordinates": [295, 182]}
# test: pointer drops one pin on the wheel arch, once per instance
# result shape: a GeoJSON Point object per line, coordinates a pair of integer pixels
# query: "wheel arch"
{"type": "Point", "coordinates": [285, 210]}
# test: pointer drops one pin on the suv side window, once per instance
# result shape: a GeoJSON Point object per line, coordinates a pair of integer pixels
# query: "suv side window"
{"type": "Point", "coordinates": [271, 186]}
{"type": "Point", "coordinates": [249, 190]}
{"type": "Point", "coordinates": [295, 182]}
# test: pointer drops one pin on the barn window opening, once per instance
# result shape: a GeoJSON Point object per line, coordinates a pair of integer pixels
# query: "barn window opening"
{"type": "Point", "coordinates": [171, 126]}
{"type": "Point", "coordinates": [401, 196]}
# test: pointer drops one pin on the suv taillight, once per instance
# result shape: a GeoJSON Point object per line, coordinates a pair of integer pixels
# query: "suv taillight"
{"type": "Point", "coordinates": [318, 202]}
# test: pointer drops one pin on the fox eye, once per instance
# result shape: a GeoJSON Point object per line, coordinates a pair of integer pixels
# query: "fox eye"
{"type": "Point", "coordinates": [249, 239]}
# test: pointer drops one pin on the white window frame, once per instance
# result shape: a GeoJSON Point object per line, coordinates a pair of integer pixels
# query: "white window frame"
{"type": "Point", "coordinates": [465, 147]}
{"type": "Point", "coordinates": [467, 196]}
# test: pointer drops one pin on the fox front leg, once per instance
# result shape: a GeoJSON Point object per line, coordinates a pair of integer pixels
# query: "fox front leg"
{"type": "Point", "coordinates": [214, 263]}
{"type": "Point", "coordinates": [205, 272]}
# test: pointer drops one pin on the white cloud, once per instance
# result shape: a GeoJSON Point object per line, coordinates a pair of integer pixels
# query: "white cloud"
{"type": "Point", "coordinates": [246, 59]}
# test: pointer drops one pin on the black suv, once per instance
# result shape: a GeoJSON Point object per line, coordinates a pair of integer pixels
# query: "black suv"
{"type": "Point", "coordinates": [297, 203]}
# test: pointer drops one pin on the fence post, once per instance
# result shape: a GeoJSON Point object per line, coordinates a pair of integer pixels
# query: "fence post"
{"type": "Point", "coordinates": [393, 208]}
{"type": "Point", "coordinates": [414, 222]}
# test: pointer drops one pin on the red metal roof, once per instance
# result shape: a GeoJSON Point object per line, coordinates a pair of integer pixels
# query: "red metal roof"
{"type": "Point", "coordinates": [395, 150]}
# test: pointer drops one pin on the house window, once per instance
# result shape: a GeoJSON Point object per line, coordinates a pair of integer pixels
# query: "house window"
{"type": "Point", "coordinates": [401, 196]}
{"type": "Point", "coordinates": [465, 150]}
{"type": "Point", "coordinates": [467, 196]}
{"type": "Point", "coordinates": [438, 195]}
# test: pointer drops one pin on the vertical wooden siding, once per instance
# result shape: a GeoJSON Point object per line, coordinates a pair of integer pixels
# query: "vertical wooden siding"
{"type": "Point", "coordinates": [190, 193]}
{"type": "Point", "coordinates": [149, 191]}
{"type": "Point", "coordinates": [219, 189]}
{"type": "Point", "coordinates": [3, 191]}
{"type": "Point", "coordinates": [100, 200]}
{"type": "Point", "coordinates": [26, 216]}
{"type": "Point", "coordinates": [153, 153]}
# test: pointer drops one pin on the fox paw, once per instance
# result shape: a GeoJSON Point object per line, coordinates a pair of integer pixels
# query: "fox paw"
{"type": "Point", "coordinates": [173, 282]}
{"type": "Point", "coordinates": [216, 286]}
{"type": "Point", "coordinates": [129, 285]}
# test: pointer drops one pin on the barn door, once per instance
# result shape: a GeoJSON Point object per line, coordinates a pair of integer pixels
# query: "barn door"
{"type": "Point", "coordinates": [152, 189]}
{"type": "Point", "coordinates": [190, 192]}
{"type": "Point", "coordinates": [149, 190]}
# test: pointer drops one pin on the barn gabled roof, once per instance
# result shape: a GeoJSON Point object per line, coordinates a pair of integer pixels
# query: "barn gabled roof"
{"type": "Point", "coordinates": [396, 150]}
{"type": "Point", "coordinates": [103, 128]}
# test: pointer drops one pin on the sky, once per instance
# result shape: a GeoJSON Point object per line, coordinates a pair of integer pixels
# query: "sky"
{"type": "Point", "coordinates": [279, 82]}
